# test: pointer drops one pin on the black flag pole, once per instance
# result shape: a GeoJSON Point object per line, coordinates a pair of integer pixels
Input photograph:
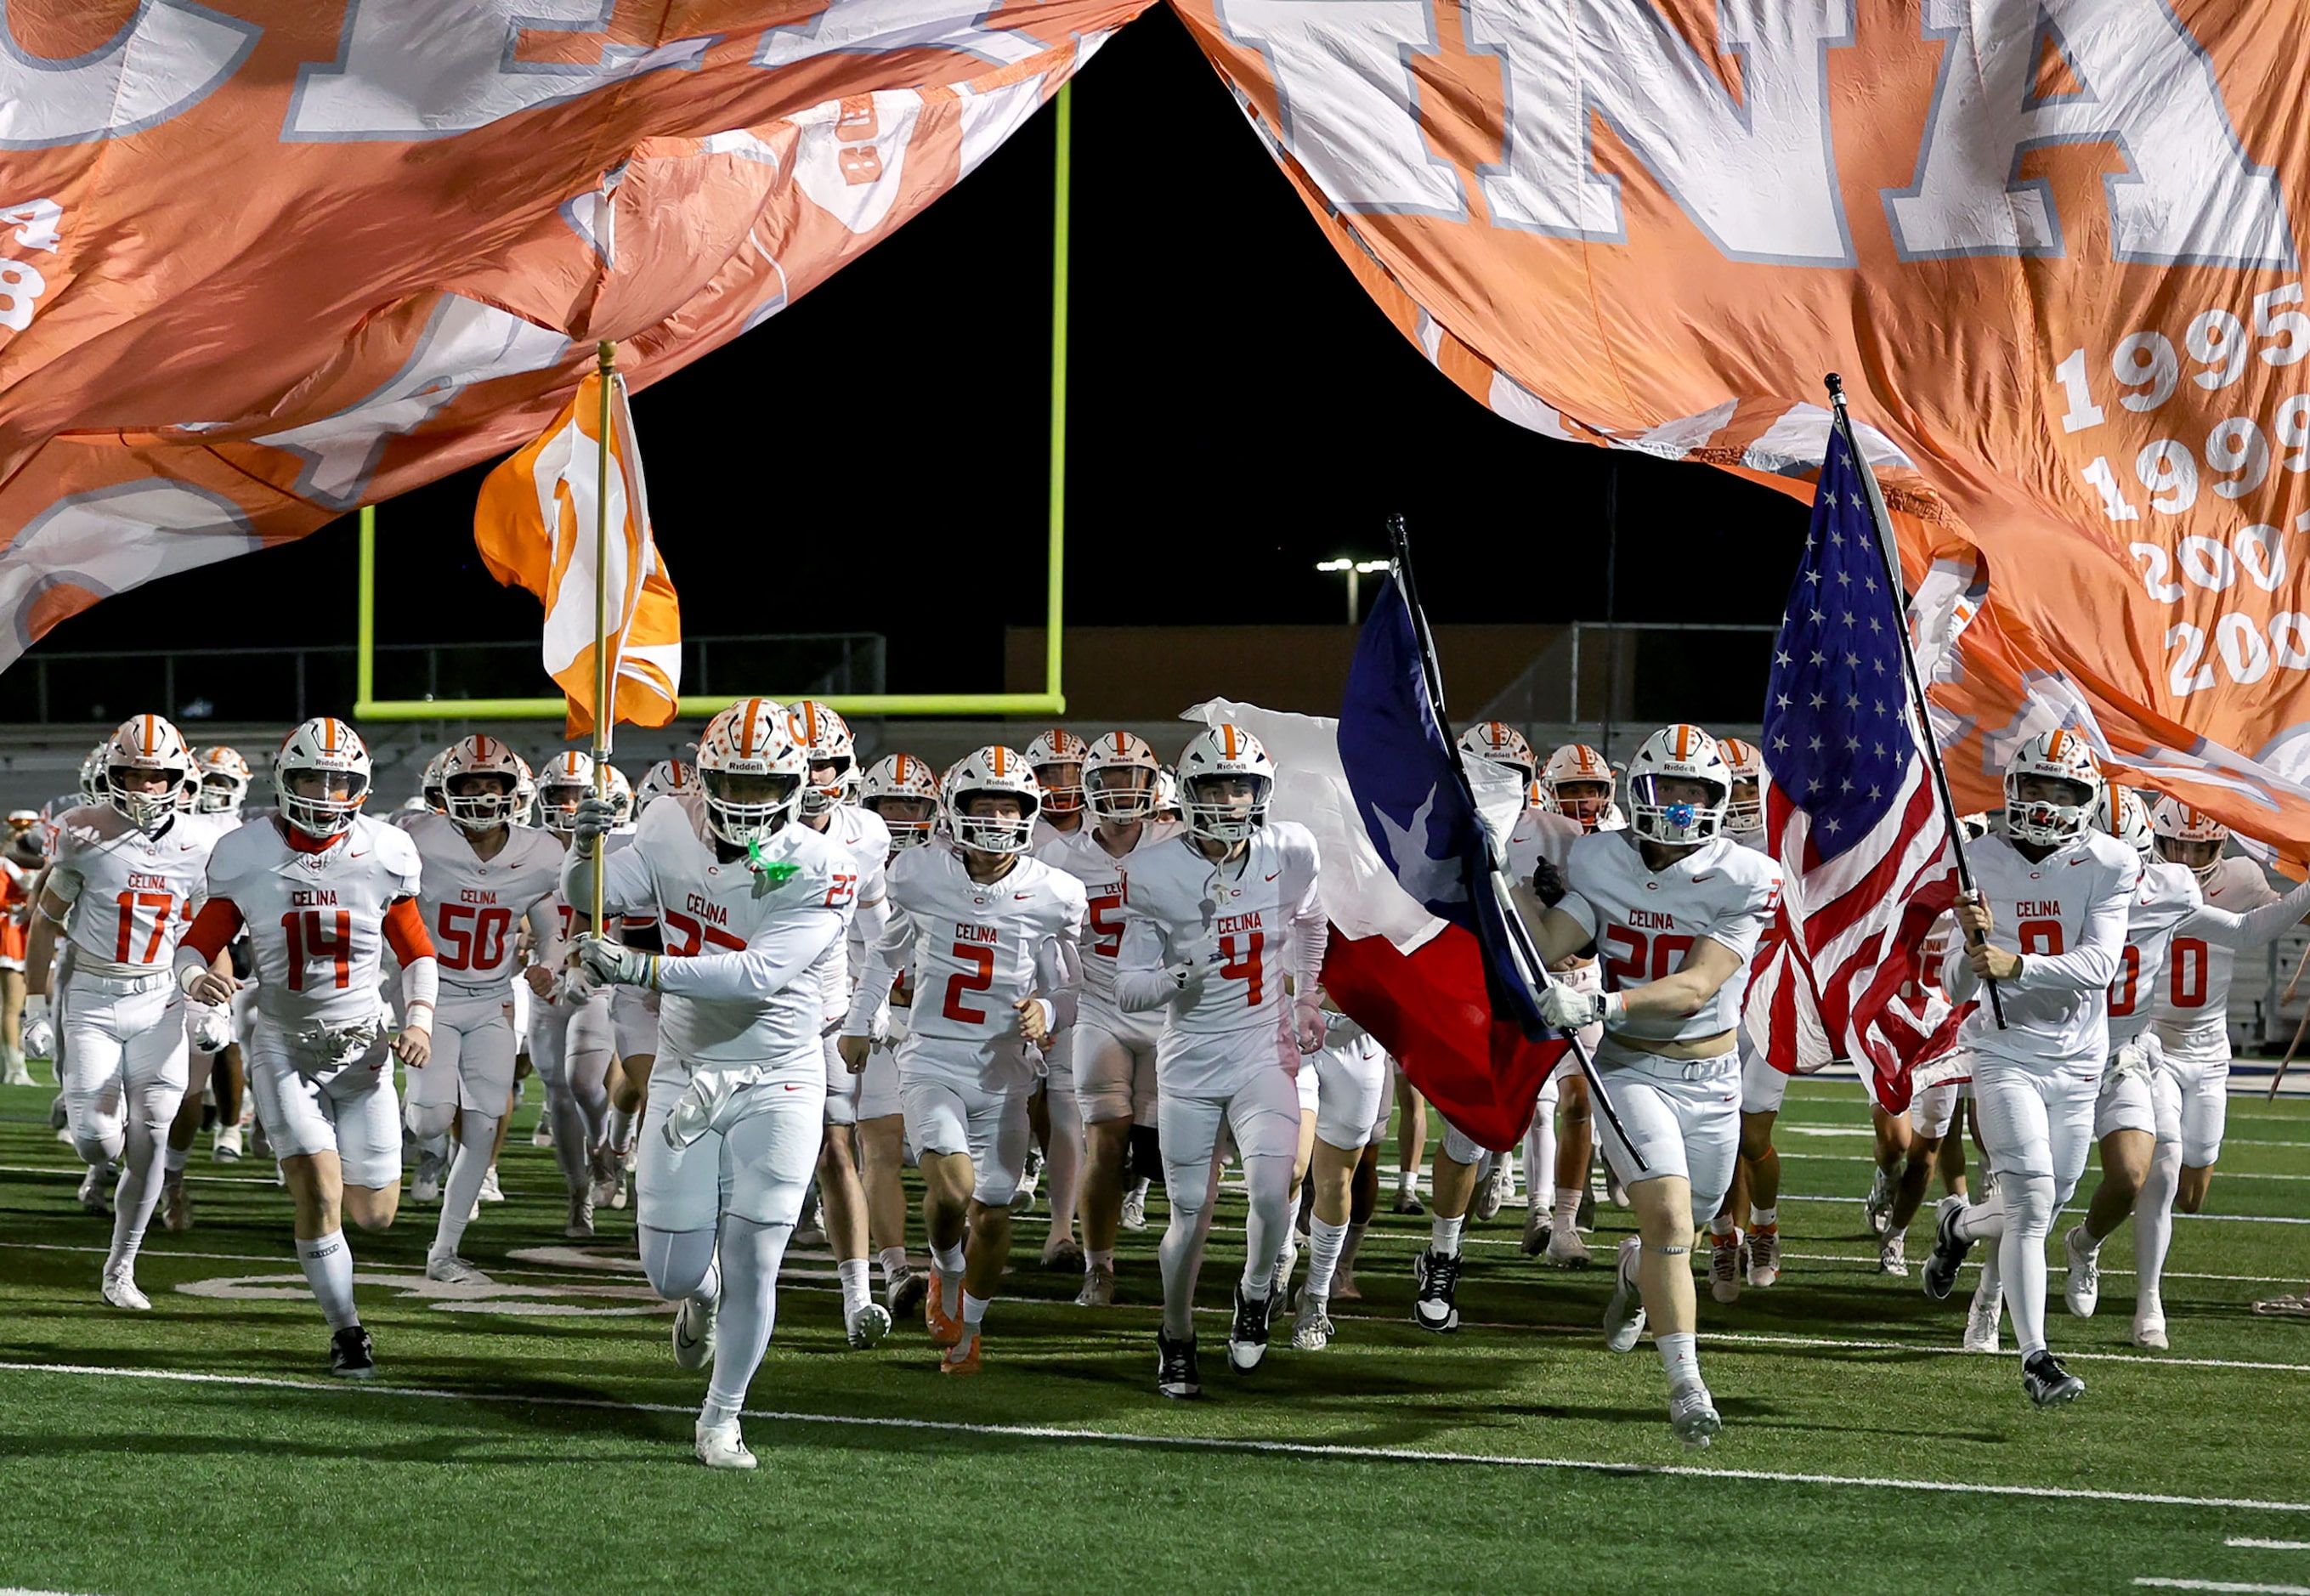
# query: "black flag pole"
{"type": "Point", "coordinates": [1530, 968]}
{"type": "Point", "coordinates": [1930, 743]}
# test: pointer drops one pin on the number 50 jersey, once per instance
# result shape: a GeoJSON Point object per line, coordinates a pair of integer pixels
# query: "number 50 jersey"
{"type": "Point", "coordinates": [473, 906]}
{"type": "Point", "coordinates": [315, 920]}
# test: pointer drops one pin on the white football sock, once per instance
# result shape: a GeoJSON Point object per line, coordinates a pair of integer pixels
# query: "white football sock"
{"type": "Point", "coordinates": [750, 1258]}
{"type": "Point", "coordinates": [1324, 1241]}
{"type": "Point", "coordinates": [2021, 1255]}
{"type": "Point", "coordinates": [1407, 1184]}
{"type": "Point", "coordinates": [2153, 1220]}
{"type": "Point", "coordinates": [1758, 1218]}
{"type": "Point", "coordinates": [173, 1160]}
{"type": "Point", "coordinates": [1540, 1160]}
{"type": "Point", "coordinates": [476, 1132]}
{"type": "Point", "coordinates": [1444, 1235]}
{"type": "Point", "coordinates": [973, 1311]}
{"type": "Point", "coordinates": [150, 1111]}
{"type": "Point", "coordinates": [1267, 1183]}
{"type": "Point", "coordinates": [1679, 1355]}
{"type": "Point", "coordinates": [948, 1260]}
{"type": "Point", "coordinates": [893, 1260]}
{"type": "Point", "coordinates": [1566, 1216]}
{"type": "Point", "coordinates": [855, 1291]}
{"type": "Point", "coordinates": [1094, 1258]}
{"type": "Point", "coordinates": [328, 1265]}
{"type": "Point", "coordinates": [1181, 1255]}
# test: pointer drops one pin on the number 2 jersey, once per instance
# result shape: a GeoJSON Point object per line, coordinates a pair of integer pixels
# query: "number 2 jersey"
{"type": "Point", "coordinates": [473, 906]}
{"type": "Point", "coordinates": [319, 917]}
{"type": "Point", "coordinates": [2066, 916]}
{"type": "Point", "coordinates": [1645, 921]}
{"type": "Point", "coordinates": [1251, 921]}
{"type": "Point", "coordinates": [974, 948]}
{"type": "Point", "coordinates": [131, 896]}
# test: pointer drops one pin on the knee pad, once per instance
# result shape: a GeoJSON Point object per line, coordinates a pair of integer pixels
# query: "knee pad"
{"type": "Point", "coordinates": [429, 1121]}
{"type": "Point", "coordinates": [94, 1146]}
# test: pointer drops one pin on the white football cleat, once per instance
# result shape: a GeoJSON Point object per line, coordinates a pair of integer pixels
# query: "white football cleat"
{"type": "Point", "coordinates": [1893, 1255]}
{"type": "Point", "coordinates": [425, 1186]}
{"type": "Point", "coordinates": [1693, 1416]}
{"type": "Point", "coordinates": [543, 1135]}
{"type": "Point", "coordinates": [2083, 1290]}
{"type": "Point", "coordinates": [96, 1190]}
{"type": "Point", "coordinates": [1311, 1331]}
{"type": "Point", "coordinates": [1764, 1256]}
{"type": "Point", "coordinates": [1135, 1210]}
{"type": "Point", "coordinates": [1624, 1315]}
{"type": "Point", "coordinates": [450, 1270]}
{"type": "Point", "coordinates": [693, 1334]}
{"type": "Point", "coordinates": [120, 1290]}
{"type": "Point", "coordinates": [866, 1324]}
{"type": "Point", "coordinates": [1877, 1208]}
{"type": "Point", "coordinates": [721, 1446]}
{"type": "Point", "coordinates": [2150, 1323]}
{"type": "Point", "coordinates": [579, 1225]}
{"type": "Point", "coordinates": [13, 1071]}
{"type": "Point", "coordinates": [608, 1173]}
{"type": "Point", "coordinates": [1565, 1249]}
{"type": "Point", "coordinates": [489, 1190]}
{"type": "Point", "coordinates": [1023, 1199]}
{"type": "Point", "coordinates": [1981, 1322]}
{"type": "Point", "coordinates": [1537, 1231]}
{"type": "Point", "coordinates": [227, 1149]}
{"type": "Point", "coordinates": [1725, 1260]}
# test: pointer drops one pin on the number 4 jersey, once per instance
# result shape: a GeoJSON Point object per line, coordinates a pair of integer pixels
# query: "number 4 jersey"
{"type": "Point", "coordinates": [474, 906]}
{"type": "Point", "coordinates": [131, 895]}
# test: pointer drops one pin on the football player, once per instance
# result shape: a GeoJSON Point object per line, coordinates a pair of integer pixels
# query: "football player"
{"type": "Point", "coordinates": [993, 937]}
{"type": "Point", "coordinates": [1502, 744]}
{"type": "Point", "coordinates": [570, 1035]}
{"type": "Point", "coordinates": [1223, 933]}
{"type": "Point", "coordinates": [1676, 909]}
{"type": "Point", "coordinates": [224, 777]}
{"type": "Point", "coordinates": [1056, 758]}
{"type": "Point", "coordinates": [481, 877]}
{"type": "Point", "coordinates": [1582, 786]}
{"type": "Point", "coordinates": [2048, 925]}
{"type": "Point", "coordinates": [634, 1009]}
{"type": "Point", "coordinates": [751, 908]}
{"type": "Point", "coordinates": [1749, 1252]}
{"type": "Point", "coordinates": [1111, 1054]}
{"type": "Point", "coordinates": [121, 889]}
{"type": "Point", "coordinates": [323, 891]}
{"type": "Point", "coordinates": [21, 859]}
{"type": "Point", "coordinates": [1351, 1098]}
{"type": "Point", "coordinates": [829, 807]}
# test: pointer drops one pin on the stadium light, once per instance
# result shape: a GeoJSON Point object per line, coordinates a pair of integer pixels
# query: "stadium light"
{"type": "Point", "coordinates": [1355, 571]}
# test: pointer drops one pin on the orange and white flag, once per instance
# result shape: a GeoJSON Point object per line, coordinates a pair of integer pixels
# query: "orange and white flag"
{"type": "Point", "coordinates": [535, 526]}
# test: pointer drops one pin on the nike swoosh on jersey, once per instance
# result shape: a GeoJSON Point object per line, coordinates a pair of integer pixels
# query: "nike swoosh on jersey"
{"type": "Point", "coordinates": [1021, 897]}
{"type": "Point", "coordinates": [1273, 873]}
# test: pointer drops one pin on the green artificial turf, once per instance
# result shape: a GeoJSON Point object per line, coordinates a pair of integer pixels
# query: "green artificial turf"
{"type": "Point", "coordinates": [537, 1438]}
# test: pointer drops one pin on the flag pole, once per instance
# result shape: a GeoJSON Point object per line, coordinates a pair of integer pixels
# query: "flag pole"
{"type": "Point", "coordinates": [1891, 568]}
{"type": "Point", "coordinates": [606, 365]}
{"type": "Point", "coordinates": [1528, 959]}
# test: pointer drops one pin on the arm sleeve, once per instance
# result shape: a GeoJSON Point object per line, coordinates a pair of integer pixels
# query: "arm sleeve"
{"type": "Point", "coordinates": [626, 885]}
{"type": "Point", "coordinates": [868, 921]}
{"type": "Point", "coordinates": [217, 924]}
{"type": "Point", "coordinates": [2256, 927]}
{"type": "Point", "coordinates": [1058, 971]}
{"type": "Point", "coordinates": [1311, 935]}
{"type": "Point", "coordinates": [884, 960]}
{"type": "Point", "coordinates": [784, 951]}
{"type": "Point", "coordinates": [1140, 983]}
{"type": "Point", "coordinates": [404, 932]}
{"type": "Point", "coordinates": [2090, 965]}
{"type": "Point", "coordinates": [1957, 978]}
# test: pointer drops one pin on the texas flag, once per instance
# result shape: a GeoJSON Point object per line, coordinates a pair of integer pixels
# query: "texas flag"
{"type": "Point", "coordinates": [1407, 881]}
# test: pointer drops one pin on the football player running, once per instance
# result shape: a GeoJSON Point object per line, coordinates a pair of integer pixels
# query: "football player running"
{"type": "Point", "coordinates": [752, 907]}
{"type": "Point", "coordinates": [323, 891]}
{"type": "Point", "coordinates": [2048, 925]}
{"type": "Point", "coordinates": [571, 1039]}
{"type": "Point", "coordinates": [1110, 1054]}
{"type": "Point", "coordinates": [481, 877]}
{"type": "Point", "coordinates": [828, 807]}
{"type": "Point", "coordinates": [1056, 758]}
{"type": "Point", "coordinates": [994, 939]}
{"type": "Point", "coordinates": [1676, 909]}
{"type": "Point", "coordinates": [1223, 932]}
{"type": "Point", "coordinates": [121, 888]}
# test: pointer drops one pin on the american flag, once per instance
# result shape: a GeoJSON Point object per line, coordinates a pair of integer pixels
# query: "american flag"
{"type": "Point", "coordinates": [1854, 817]}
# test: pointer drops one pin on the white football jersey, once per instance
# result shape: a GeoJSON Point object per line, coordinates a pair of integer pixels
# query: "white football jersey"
{"type": "Point", "coordinates": [706, 906]}
{"type": "Point", "coordinates": [1256, 918]}
{"type": "Point", "coordinates": [1046, 834]}
{"type": "Point", "coordinates": [472, 904]}
{"type": "Point", "coordinates": [1104, 878]}
{"type": "Point", "coordinates": [315, 921]}
{"type": "Point", "coordinates": [2066, 916]}
{"type": "Point", "coordinates": [974, 951]}
{"type": "Point", "coordinates": [1645, 921]}
{"type": "Point", "coordinates": [2168, 896]}
{"type": "Point", "coordinates": [1756, 841]}
{"type": "Point", "coordinates": [2240, 910]}
{"type": "Point", "coordinates": [1540, 834]}
{"type": "Point", "coordinates": [131, 896]}
{"type": "Point", "coordinates": [860, 833]}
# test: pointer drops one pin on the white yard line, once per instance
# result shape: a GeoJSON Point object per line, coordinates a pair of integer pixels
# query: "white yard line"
{"type": "Point", "coordinates": [2269, 1546]}
{"type": "Point", "coordinates": [1394, 1454]}
{"type": "Point", "coordinates": [2222, 1585]}
{"type": "Point", "coordinates": [2227, 1174]}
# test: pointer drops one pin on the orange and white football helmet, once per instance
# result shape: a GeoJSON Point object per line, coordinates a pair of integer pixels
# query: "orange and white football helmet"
{"type": "Point", "coordinates": [2058, 756]}
{"type": "Point", "coordinates": [2125, 817]}
{"type": "Point", "coordinates": [1746, 811]}
{"type": "Point", "coordinates": [1122, 778]}
{"type": "Point", "coordinates": [665, 779]}
{"type": "Point", "coordinates": [901, 789]}
{"type": "Point", "coordinates": [1218, 760]}
{"type": "Point", "coordinates": [1680, 752]}
{"type": "Point", "coordinates": [1502, 744]}
{"type": "Point", "coordinates": [481, 756]}
{"type": "Point", "coordinates": [621, 795]}
{"type": "Point", "coordinates": [224, 777]}
{"type": "Point", "coordinates": [1057, 758]}
{"type": "Point", "coordinates": [992, 770]}
{"type": "Point", "coordinates": [567, 778]}
{"type": "Point", "coordinates": [146, 745]}
{"type": "Point", "coordinates": [94, 789]}
{"type": "Point", "coordinates": [1581, 783]}
{"type": "Point", "coordinates": [824, 738]}
{"type": "Point", "coordinates": [751, 771]}
{"type": "Point", "coordinates": [2187, 837]}
{"type": "Point", "coordinates": [429, 784]}
{"type": "Point", "coordinates": [333, 750]}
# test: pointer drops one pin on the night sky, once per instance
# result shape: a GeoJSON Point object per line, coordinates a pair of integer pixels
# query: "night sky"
{"type": "Point", "coordinates": [874, 458]}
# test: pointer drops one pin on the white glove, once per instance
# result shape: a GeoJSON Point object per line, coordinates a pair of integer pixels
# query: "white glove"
{"type": "Point", "coordinates": [211, 1028]}
{"type": "Point", "coordinates": [1570, 1010]}
{"type": "Point", "coordinates": [39, 1035]}
{"type": "Point", "coordinates": [614, 962]}
{"type": "Point", "coordinates": [596, 817]}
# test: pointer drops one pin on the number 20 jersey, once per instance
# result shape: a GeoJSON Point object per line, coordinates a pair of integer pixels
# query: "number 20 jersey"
{"type": "Point", "coordinates": [473, 906]}
{"type": "Point", "coordinates": [1645, 921]}
{"type": "Point", "coordinates": [315, 921]}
